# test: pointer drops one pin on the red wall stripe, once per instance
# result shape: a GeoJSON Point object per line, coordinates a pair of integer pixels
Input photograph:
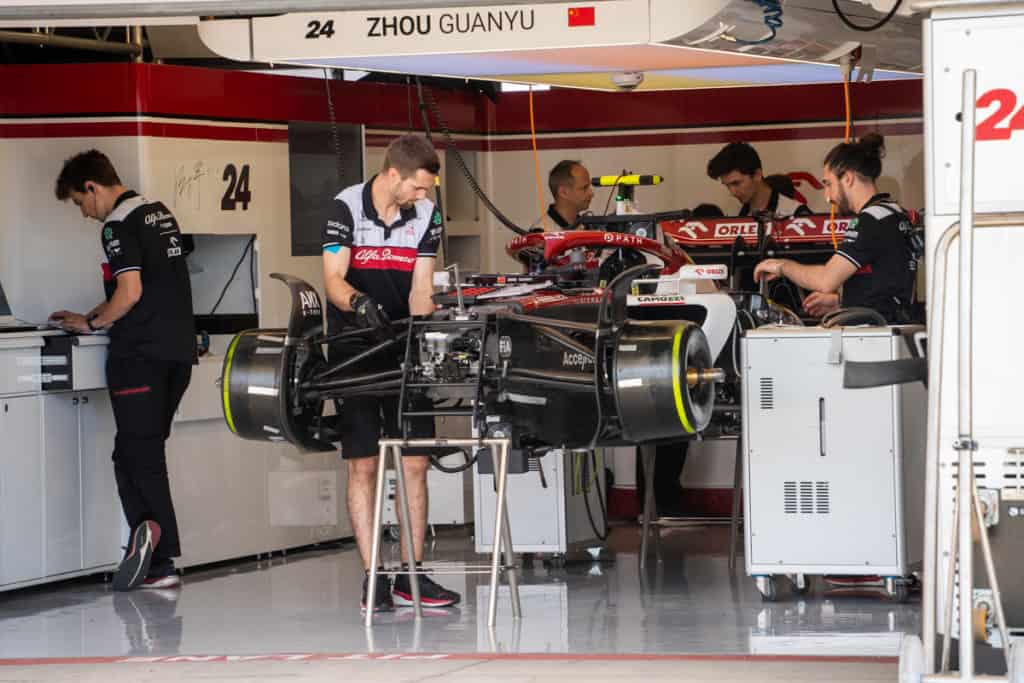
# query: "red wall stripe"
{"type": "Point", "coordinates": [68, 89]}
{"type": "Point", "coordinates": [200, 131]}
{"type": "Point", "coordinates": [106, 129]}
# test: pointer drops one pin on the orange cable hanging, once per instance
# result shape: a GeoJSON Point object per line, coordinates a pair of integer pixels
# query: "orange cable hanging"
{"type": "Point", "coordinates": [536, 167]}
{"type": "Point", "coordinates": [846, 138]}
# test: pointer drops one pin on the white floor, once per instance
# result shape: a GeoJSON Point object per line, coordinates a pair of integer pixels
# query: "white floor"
{"type": "Point", "coordinates": [296, 617]}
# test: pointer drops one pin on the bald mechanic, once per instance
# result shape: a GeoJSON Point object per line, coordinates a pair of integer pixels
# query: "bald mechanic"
{"type": "Point", "coordinates": [569, 182]}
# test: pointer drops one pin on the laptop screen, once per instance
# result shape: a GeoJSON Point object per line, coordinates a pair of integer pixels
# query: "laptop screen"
{"type": "Point", "coordinates": [5, 309]}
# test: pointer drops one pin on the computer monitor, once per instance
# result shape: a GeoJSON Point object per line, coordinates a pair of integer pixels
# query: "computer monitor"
{"type": "Point", "coordinates": [5, 309]}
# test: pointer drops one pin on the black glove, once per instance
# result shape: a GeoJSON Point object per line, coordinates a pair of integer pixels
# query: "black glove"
{"type": "Point", "coordinates": [369, 313]}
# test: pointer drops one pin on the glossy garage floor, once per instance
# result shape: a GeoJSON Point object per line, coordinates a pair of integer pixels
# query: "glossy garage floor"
{"type": "Point", "coordinates": [685, 603]}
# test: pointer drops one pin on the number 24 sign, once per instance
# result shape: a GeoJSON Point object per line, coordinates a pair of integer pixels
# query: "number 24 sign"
{"type": "Point", "coordinates": [993, 126]}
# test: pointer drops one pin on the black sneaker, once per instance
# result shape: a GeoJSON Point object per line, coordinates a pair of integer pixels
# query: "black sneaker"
{"type": "Point", "coordinates": [382, 601]}
{"type": "Point", "coordinates": [432, 594]}
{"type": "Point", "coordinates": [135, 566]}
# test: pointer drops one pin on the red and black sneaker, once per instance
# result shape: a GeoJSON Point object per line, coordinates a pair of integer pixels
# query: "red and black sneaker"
{"type": "Point", "coordinates": [134, 568]}
{"type": "Point", "coordinates": [168, 581]}
{"type": "Point", "coordinates": [432, 594]}
{"type": "Point", "coordinates": [382, 601]}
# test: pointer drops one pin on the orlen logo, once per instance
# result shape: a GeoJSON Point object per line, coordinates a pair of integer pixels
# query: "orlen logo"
{"type": "Point", "coordinates": [800, 226]}
{"type": "Point", "coordinates": [691, 228]}
{"type": "Point", "coordinates": [745, 229]}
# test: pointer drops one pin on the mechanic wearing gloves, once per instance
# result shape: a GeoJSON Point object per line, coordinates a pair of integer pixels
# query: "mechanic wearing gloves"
{"type": "Point", "coordinates": [379, 248]}
{"type": "Point", "coordinates": [877, 260]}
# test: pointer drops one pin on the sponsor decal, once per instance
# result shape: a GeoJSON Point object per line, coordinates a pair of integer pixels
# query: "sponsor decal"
{"type": "Point", "coordinates": [573, 359]}
{"type": "Point", "coordinates": [108, 232]}
{"type": "Point", "coordinates": [437, 217]}
{"type": "Point", "coordinates": [723, 231]}
{"type": "Point", "coordinates": [310, 303]}
{"type": "Point", "coordinates": [157, 216]}
{"type": "Point", "coordinates": [385, 258]}
{"type": "Point", "coordinates": [654, 299]}
{"type": "Point", "coordinates": [174, 251]}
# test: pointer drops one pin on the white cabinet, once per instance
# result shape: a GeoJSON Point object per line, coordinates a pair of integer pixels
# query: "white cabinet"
{"type": "Point", "coordinates": [62, 499]}
{"type": "Point", "coordinates": [102, 520]}
{"type": "Point", "coordinates": [59, 510]}
{"type": "Point", "coordinates": [21, 489]}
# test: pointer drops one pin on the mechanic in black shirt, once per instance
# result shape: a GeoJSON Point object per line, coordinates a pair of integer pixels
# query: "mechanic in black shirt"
{"type": "Point", "coordinates": [379, 249]}
{"type": "Point", "coordinates": [569, 182]}
{"type": "Point", "coordinates": [875, 264]}
{"type": "Point", "coordinates": [148, 315]}
{"type": "Point", "coordinates": [738, 167]}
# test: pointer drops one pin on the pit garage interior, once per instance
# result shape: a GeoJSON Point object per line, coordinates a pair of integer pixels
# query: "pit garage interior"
{"type": "Point", "coordinates": [816, 529]}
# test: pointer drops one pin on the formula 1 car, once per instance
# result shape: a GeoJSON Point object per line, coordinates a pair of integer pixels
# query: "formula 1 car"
{"type": "Point", "coordinates": [566, 355]}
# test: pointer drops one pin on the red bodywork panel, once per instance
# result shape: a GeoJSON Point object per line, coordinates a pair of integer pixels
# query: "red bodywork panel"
{"type": "Point", "coordinates": [555, 244]}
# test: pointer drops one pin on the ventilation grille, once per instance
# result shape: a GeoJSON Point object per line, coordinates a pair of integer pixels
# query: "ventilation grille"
{"type": "Point", "coordinates": [789, 498]}
{"type": "Point", "coordinates": [821, 498]}
{"type": "Point", "coordinates": [533, 465]}
{"type": "Point", "coordinates": [767, 393]}
{"type": "Point", "coordinates": [1013, 473]}
{"type": "Point", "coordinates": [806, 497]}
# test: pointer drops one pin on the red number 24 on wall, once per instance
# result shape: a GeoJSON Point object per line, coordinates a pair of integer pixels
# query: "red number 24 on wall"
{"type": "Point", "coordinates": [1006, 101]}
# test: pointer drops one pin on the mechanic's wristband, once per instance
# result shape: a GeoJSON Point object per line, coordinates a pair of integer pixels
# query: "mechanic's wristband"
{"type": "Point", "coordinates": [352, 299]}
{"type": "Point", "coordinates": [88, 323]}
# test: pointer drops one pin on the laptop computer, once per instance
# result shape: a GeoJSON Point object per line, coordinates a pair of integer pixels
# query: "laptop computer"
{"type": "Point", "coordinates": [8, 323]}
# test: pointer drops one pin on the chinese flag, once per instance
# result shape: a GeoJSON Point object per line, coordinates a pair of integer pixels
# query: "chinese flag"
{"type": "Point", "coordinates": [581, 16]}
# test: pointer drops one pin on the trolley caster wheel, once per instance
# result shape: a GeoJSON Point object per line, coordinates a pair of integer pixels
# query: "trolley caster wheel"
{"type": "Point", "coordinates": [912, 659]}
{"type": "Point", "coordinates": [801, 583]}
{"type": "Point", "coordinates": [897, 589]}
{"type": "Point", "coordinates": [766, 586]}
{"type": "Point", "coordinates": [392, 533]}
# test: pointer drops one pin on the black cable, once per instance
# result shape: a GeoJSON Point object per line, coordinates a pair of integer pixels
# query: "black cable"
{"type": "Point", "coordinates": [252, 280]}
{"type": "Point", "coordinates": [461, 163]}
{"type": "Point", "coordinates": [408, 104]}
{"type": "Point", "coordinates": [873, 27]}
{"type": "Point", "coordinates": [437, 188]}
{"type": "Point", "coordinates": [334, 127]}
{"type": "Point", "coordinates": [435, 460]}
{"type": "Point", "coordinates": [248, 245]}
{"type": "Point", "coordinates": [600, 498]}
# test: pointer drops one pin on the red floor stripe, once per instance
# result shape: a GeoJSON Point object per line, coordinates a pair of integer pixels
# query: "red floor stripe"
{"type": "Point", "coordinates": [460, 656]}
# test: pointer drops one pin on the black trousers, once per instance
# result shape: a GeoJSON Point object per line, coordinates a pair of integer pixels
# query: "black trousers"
{"type": "Point", "coordinates": [669, 460]}
{"type": "Point", "coordinates": [144, 393]}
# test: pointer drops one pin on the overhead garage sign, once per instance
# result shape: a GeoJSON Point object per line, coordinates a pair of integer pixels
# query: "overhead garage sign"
{"type": "Point", "coordinates": [423, 31]}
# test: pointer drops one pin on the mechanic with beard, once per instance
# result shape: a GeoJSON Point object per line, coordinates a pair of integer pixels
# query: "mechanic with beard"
{"type": "Point", "coordinates": [569, 182]}
{"type": "Point", "coordinates": [379, 248]}
{"type": "Point", "coordinates": [876, 263]}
